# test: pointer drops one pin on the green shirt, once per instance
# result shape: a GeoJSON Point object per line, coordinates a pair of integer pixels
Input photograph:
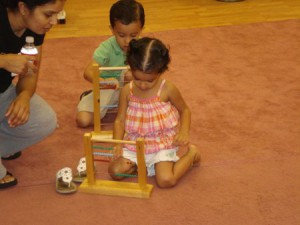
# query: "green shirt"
{"type": "Point", "coordinates": [110, 54]}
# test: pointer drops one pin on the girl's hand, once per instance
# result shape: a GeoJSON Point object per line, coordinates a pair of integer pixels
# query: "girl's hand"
{"type": "Point", "coordinates": [18, 111]}
{"type": "Point", "coordinates": [19, 64]}
{"type": "Point", "coordinates": [182, 139]}
{"type": "Point", "coordinates": [118, 152]}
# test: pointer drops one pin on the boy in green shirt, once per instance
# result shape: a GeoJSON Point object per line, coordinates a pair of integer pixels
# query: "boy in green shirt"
{"type": "Point", "coordinates": [127, 20]}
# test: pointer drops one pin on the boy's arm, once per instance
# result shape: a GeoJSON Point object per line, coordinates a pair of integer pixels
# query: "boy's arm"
{"type": "Point", "coordinates": [182, 138]}
{"type": "Point", "coordinates": [119, 124]}
{"type": "Point", "coordinates": [89, 71]}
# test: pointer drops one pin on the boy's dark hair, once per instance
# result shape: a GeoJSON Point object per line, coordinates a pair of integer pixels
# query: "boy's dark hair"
{"type": "Point", "coordinates": [148, 55]}
{"type": "Point", "coordinates": [127, 11]}
{"type": "Point", "coordinates": [31, 4]}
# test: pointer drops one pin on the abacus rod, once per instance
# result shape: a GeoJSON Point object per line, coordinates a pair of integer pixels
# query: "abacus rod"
{"type": "Point", "coordinates": [103, 154]}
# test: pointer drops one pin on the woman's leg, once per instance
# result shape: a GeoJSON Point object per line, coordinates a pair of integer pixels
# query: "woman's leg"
{"type": "Point", "coordinates": [169, 173]}
{"type": "Point", "coordinates": [2, 170]}
{"type": "Point", "coordinates": [6, 179]}
{"type": "Point", "coordinates": [41, 123]}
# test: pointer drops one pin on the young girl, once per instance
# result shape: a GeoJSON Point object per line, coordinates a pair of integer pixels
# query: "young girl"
{"type": "Point", "coordinates": [153, 108]}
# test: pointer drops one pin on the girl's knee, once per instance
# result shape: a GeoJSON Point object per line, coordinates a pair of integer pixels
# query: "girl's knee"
{"type": "Point", "coordinates": [166, 181]}
{"type": "Point", "coordinates": [113, 170]}
{"type": "Point", "coordinates": [120, 166]}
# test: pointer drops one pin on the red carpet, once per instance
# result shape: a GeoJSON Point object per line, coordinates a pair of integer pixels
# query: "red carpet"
{"type": "Point", "coordinates": [243, 86]}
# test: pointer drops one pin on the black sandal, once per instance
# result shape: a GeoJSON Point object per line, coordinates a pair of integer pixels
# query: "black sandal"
{"type": "Point", "coordinates": [13, 156]}
{"type": "Point", "coordinates": [9, 183]}
{"type": "Point", "coordinates": [85, 93]}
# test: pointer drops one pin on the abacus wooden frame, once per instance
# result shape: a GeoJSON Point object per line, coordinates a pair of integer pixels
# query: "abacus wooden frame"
{"type": "Point", "coordinates": [117, 188]}
{"type": "Point", "coordinates": [96, 91]}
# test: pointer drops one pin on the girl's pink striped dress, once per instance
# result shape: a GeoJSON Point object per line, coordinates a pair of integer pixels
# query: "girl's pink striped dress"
{"type": "Point", "coordinates": [152, 119]}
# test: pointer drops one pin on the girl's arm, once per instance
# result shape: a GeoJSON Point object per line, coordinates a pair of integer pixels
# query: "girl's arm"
{"type": "Point", "coordinates": [174, 96]}
{"type": "Point", "coordinates": [119, 124]}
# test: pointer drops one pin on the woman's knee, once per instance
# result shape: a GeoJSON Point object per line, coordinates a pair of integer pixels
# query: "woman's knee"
{"type": "Point", "coordinates": [42, 121]}
{"type": "Point", "coordinates": [47, 122]}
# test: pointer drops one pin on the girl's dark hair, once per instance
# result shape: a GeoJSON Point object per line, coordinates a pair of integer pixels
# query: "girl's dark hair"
{"type": "Point", "coordinates": [31, 4]}
{"type": "Point", "coordinates": [127, 11]}
{"type": "Point", "coordinates": [148, 55]}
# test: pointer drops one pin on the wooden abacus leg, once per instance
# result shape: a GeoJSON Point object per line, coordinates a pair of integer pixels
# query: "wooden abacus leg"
{"type": "Point", "coordinates": [96, 92]}
{"type": "Point", "coordinates": [89, 157]}
{"type": "Point", "coordinates": [142, 172]}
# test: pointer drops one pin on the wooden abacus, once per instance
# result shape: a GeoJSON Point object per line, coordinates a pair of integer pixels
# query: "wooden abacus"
{"type": "Point", "coordinates": [108, 187]}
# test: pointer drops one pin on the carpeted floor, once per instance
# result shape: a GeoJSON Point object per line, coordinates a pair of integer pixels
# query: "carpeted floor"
{"type": "Point", "coordinates": [243, 86]}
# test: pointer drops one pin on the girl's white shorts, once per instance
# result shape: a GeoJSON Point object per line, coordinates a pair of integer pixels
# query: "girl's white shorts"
{"type": "Point", "coordinates": [168, 155]}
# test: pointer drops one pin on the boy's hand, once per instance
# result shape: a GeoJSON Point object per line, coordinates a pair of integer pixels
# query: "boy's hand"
{"type": "Point", "coordinates": [109, 83]}
{"type": "Point", "coordinates": [181, 139]}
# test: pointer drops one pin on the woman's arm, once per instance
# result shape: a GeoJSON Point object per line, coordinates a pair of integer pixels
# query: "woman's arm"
{"type": "Point", "coordinates": [18, 64]}
{"type": "Point", "coordinates": [175, 97]}
{"type": "Point", "coordinates": [27, 83]}
{"type": "Point", "coordinates": [18, 111]}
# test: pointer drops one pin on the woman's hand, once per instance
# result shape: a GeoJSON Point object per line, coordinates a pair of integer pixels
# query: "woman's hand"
{"type": "Point", "coordinates": [182, 138]}
{"type": "Point", "coordinates": [18, 111]}
{"type": "Point", "coordinates": [19, 64]}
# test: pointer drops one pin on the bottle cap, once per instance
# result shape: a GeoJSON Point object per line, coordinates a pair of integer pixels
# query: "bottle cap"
{"type": "Point", "coordinates": [29, 39]}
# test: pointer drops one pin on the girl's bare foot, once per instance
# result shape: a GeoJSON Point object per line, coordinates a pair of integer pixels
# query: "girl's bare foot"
{"type": "Point", "coordinates": [194, 152]}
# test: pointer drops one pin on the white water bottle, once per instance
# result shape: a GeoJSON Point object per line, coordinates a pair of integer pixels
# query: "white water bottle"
{"type": "Point", "coordinates": [28, 49]}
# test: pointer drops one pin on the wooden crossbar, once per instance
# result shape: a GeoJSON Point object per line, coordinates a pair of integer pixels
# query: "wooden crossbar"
{"type": "Point", "coordinates": [115, 68]}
